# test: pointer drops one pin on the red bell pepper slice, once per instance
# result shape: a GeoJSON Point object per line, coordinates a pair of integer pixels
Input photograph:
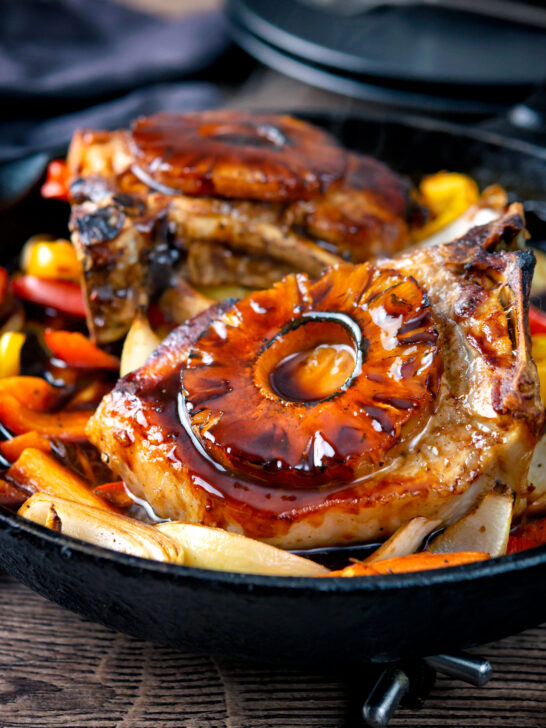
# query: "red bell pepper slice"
{"type": "Point", "coordinates": [527, 537]}
{"type": "Point", "coordinates": [77, 351]}
{"type": "Point", "coordinates": [64, 296]}
{"type": "Point", "coordinates": [4, 281]}
{"type": "Point", "coordinates": [537, 320]}
{"type": "Point", "coordinates": [56, 185]}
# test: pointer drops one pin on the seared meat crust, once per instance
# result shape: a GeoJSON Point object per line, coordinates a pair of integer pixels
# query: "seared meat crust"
{"type": "Point", "coordinates": [284, 201]}
{"type": "Point", "coordinates": [484, 425]}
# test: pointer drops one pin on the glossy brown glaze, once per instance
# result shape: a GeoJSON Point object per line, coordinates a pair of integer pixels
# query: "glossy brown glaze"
{"type": "Point", "coordinates": [242, 423]}
{"type": "Point", "coordinates": [236, 155]}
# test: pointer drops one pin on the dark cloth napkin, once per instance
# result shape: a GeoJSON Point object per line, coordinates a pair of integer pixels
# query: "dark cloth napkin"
{"type": "Point", "coordinates": [92, 63]}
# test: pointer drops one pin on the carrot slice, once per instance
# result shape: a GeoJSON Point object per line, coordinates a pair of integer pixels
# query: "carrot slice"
{"type": "Point", "coordinates": [114, 493]}
{"type": "Point", "coordinates": [35, 471]}
{"type": "Point", "coordinates": [18, 418]}
{"type": "Point", "coordinates": [35, 393]}
{"type": "Point", "coordinates": [78, 351]}
{"type": "Point", "coordinates": [12, 449]}
{"type": "Point", "coordinates": [414, 562]}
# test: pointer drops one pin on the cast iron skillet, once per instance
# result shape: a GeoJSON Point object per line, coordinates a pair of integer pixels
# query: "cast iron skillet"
{"type": "Point", "coordinates": [333, 622]}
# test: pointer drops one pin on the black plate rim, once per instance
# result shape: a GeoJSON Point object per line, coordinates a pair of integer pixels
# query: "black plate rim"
{"type": "Point", "coordinates": [332, 80]}
{"type": "Point", "coordinates": [287, 42]}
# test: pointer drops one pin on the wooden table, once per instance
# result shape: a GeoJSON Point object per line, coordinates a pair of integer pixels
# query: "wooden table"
{"type": "Point", "coordinates": [58, 670]}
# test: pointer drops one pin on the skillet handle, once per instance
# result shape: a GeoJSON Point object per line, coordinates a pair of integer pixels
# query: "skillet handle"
{"type": "Point", "coordinates": [525, 121]}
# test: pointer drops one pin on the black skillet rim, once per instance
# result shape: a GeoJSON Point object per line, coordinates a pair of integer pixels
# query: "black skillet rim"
{"type": "Point", "coordinates": [68, 546]}
{"type": "Point", "coordinates": [528, 559]}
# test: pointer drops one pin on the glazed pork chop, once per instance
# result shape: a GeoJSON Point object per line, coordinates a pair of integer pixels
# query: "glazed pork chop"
{"type": "Point", "coordinates": [332, 411]}
{"type": "Point", "coordinates": [222, 198]}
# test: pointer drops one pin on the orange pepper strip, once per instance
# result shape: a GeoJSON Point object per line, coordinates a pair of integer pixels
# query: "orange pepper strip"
{"type": "Point", "coordinates": [114, 493]}
{"type": "Point", "coordinates": [39, 472]}
{"type": "Point", "coordinates": [413, 562]}
{"type": "Point", "coordinates": [12, 449]}
{"type": "Point", "coordinates": [527, 537]}
{"type": "Point", "coordinates": [35, 393]}
{"type": "Point", "coordinates": [68, 426]}
{"type": "Point", "coordinates": [77, 351]}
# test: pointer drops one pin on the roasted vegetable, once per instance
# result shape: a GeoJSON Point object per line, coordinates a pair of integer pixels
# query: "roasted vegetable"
{"type": "Point", "coordinates": [19, 419]}
{"type": "Point", "coordinates": [11, 344]}
{"type": "Point", "coordinates": [527, 537]}
{"type": "Point", "coordinates": [182, 302]}
{"type": "Point", "coordinates": [55, 259]}
{"type": "Point", "coordinates": [405, 541]}
{"type": "Point", "coordinates": [65, 296]}
{"type": "Point", "coordinates": [56, 184]}
{"type": "Point", "coordinates": [537, 320]}
{"type": "Point", "coordinates": [537, 469]}
{"type": "Point", "coordinates": [12, 449]}
{"type": "Point", "coordinates": [447, 195]}
{"type": "Point", "coordinates": [214, 548]}
{"type": "Point", "coordinates": [35, 393]}
{"type": "Point", "coordinates": [485, 528]}
{"type": "Point", "coordinates": [413, 562]}
{"type": "Point", "coordinates": [101, 528]}
{"type": "Point", "coordinates": [115, 493]}
{"type": "Point", "coordinates": [10, 495]}
{"type": "Point", "coordinates": [138, 345]}
{"type": "Point", "coordinates": [39, 472]}
{"type": "Point", "coordinates": [77, 351]}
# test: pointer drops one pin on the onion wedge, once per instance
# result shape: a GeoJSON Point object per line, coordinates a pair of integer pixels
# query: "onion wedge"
{"type": "Point", "coordinates": [101, 528]}
{"type": "Point", "coordinates": [138, 345]}
{"type": "Point", "coordinates": [214, 548]}
{"type": "Point", "coordinates": [485, 528]}
{"type": "Point", "coordinates": [406, 540]}
{"type": "Point", "coordinates": [537, 471]}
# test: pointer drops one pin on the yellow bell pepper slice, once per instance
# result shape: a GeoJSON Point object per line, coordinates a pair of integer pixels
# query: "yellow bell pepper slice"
{"type": "Point", "coordinates": [11, 344]}
{"type": "Point", "coordinates": [447, 195]}
{"type": "Point", "coordinates": [51, 259]}
{"type": "Point", "coordinates": [539, 347]}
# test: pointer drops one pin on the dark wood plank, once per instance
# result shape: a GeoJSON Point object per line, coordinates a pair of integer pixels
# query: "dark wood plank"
{"type": "Point", "coordinates": [60, 671]}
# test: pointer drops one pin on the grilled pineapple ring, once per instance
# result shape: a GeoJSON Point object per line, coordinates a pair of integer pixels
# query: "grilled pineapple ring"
{"type": "Point", "coordinates": [235, 155]}
{"type": "Point", "coordinates": [313, 382]}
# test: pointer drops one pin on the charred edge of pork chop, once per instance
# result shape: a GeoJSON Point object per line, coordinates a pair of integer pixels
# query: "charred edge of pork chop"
{"type": "Point", "coordinates": [497, 280]}
{"type": "Point", "coordinates": [508, 275]}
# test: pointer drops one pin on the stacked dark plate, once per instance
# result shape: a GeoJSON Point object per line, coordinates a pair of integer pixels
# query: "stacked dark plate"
{"type": "Point", "coordinates": [421, 56]}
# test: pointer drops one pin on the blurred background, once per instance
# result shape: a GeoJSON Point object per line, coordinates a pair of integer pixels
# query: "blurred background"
{"type": "Point", "coordinates": [70, 63]}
